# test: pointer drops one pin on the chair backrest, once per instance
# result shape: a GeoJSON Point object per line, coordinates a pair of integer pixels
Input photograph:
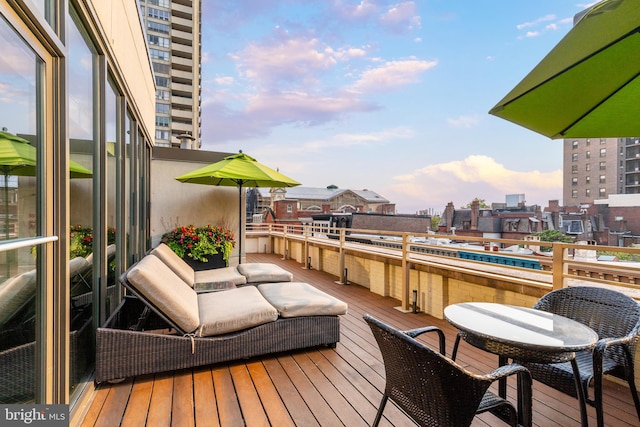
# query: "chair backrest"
{"type": "Point", "coordinates": [175, 263]}
{"type": "Point", "coordinates": [428, 386]}
{"type": "Point", "coordinates": [165, 292]}
{"type": "Point", "coordinates": [610, 313]}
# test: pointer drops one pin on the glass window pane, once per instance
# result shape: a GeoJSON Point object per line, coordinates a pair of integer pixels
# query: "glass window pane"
{"type": "Point", "coordinates": [19, 87]}
{"type": "Point", "coordinates": [82, 150]}
{"type": "Point", "coordinates": [113, 142]}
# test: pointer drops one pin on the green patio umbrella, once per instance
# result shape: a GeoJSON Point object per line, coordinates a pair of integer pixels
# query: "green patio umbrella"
{"type": "Point", "coordinates": [238, 170]}
{"type": "Point", "coordinates": [588, 85]}
{"type": "Point", "coordinates": [18, 158]}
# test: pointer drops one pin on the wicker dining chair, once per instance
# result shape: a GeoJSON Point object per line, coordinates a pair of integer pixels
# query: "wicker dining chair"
{"type": "Point", "coordinates": [433, 390]}
{"type": "Point", "coordinates": [615, 317]}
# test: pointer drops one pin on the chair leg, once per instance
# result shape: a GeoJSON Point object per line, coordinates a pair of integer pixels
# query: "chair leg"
{"type": "Point", "coordinates": [455, 347]}
{"type": "Point", "coordinates": [632, 387]}
{"type": "Point", "coordinates": [383, 402]}
{"type": "Point", "coordinates": [581, 394]}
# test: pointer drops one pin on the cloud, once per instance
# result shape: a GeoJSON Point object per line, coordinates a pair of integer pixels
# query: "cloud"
{"type": "Point", "coordinates": [367, 139]}
{"type": "Point", "coordinates": [401, 17]}
{"type": "Point", "coordinates": [543, 24]}
{"type": "Point", "coordinates": [464, 121]}
{"type": "Point", "coordinates": [264, 111]}
{"type": "Point", "coordinates": [475, 176]}
{"type": "Point", "coordinates": [537, 22]}
{"type": "Point", "coordinates": [285, 59]}
{"type": "Point", "coordinates": [391, 75]}
{"type": "Point", "coordinates": [224, 80]}
{"type": "Point", "coordinates": [303, 107]}
{"type": "Point", "coordinates": [363, 10]}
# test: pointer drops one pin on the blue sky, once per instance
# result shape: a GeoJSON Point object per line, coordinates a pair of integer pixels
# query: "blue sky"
{"type": "Point", "coordinates": [390, 96]}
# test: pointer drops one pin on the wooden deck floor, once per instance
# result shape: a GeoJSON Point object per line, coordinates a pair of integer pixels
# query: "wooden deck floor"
{"type": "Point", "coordinates": [315, 387]}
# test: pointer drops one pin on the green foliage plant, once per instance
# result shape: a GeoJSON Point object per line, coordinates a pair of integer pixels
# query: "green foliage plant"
{"type": "Point", "coordinates": [552, 236]}
{"type": "Point", "coordinates": [199, 242]}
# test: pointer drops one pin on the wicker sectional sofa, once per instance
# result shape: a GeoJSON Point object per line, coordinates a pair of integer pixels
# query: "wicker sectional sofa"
{"type": "Point", "coordinates": [164, 324]}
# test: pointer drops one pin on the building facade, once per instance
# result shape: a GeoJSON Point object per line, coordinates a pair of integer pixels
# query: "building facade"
{"type": "Point", "coordinates": [594, 168]}
{"type": "Point", "coordinates": [318, 200]}
{"type": "Point", "coordinates": [77, 95]}
{"type": "Point", "coordinates": [173, 35]}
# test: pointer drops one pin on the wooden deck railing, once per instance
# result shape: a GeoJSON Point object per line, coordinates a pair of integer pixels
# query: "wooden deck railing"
{"type": "Point", "coordinates": [566, 264]}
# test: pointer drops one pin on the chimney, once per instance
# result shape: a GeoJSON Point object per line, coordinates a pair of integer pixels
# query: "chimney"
{"type": "Point", "coordinates": [475, 213]}
{"type": "Point", "coordinates": [448, 211]}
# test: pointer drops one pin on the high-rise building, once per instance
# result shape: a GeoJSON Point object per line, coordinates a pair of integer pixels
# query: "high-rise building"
{"type": "Point", "coordinates": [173, 38]}
{"type": "Point", "coordinates": [595, 168]}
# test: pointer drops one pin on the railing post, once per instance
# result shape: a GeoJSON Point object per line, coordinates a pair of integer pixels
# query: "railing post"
{"type": "Point", "coordinates": [341, 254]}
{"type": "Point", "coordinates": [405, 272]}
{"type": "Point", "coordinates": [559, 268]}
{"type": "Point", "coordinates": [305, 230]}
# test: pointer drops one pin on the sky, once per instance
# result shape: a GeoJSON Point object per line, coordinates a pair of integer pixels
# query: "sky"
{"type": "Point", "coordinates": [389, 96]}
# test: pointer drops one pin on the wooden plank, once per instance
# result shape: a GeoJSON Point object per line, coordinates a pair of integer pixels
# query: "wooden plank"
{"type": "Point", "coordinates": [92, 414]}
{"type": "Point", "coordinates": [161, 400]}
{"type": "Point", "coordinates": [206, 409]}
{"type": "Point", "coordinates": [276, 410]}
{"type": "Point", "coordinates": [331, 394]}
{"type": "Point", "coordinates": [291, 399]}
{"type": "Point", "coordinates": [182, 409]}
{"type": "Point", "coordinates": [250, 403]}
{"type": "Point", "coordinates": [115, 404]}
{"type": "Point", "coordinates": [313, 398]}
{"type": "Point", "coordinates": [228, 406]}
{"type": "Point", "coordinates": [138, 406]}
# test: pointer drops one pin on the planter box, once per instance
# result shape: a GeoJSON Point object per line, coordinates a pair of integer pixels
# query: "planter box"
{"type": "Point", "coordinates": [215, 261]}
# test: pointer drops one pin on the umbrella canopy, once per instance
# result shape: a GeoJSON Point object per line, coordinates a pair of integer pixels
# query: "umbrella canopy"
{"type": "Point", "coordinates": [588, 85]}
{"type": "Point", "coordinates": [238, 170]}
{"type": "Point", "coordinates": [18, 157]}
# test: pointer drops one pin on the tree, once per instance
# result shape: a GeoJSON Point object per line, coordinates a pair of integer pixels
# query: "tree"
{"type": "Point", "coordinates": [481, 203]}
{"type": "Point", "coordinates": [552, 236]}
{"type": "Point", "coordinates": [435, 220]}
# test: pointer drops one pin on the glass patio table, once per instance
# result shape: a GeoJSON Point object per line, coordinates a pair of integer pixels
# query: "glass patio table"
{"type": "Point", "coordinates": [522, 334]}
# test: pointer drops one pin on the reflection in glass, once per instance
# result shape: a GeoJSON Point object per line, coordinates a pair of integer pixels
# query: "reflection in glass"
{"type": "Point", "coordinates": [82, 148]}
{"type": "Point", "coordinates": [19, 74]}
{"type": "Point", "coordinates": [113, 141]}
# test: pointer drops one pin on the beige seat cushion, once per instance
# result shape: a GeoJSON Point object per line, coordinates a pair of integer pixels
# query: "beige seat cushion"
{"type": "Point", "coordinates": [262, 272]}
{"type": "Point", "coordinates": [219, 275]}
{"type": "Point", "coordinates": [166, 291]}
{"type": "Point", "coordinates": [175, 263]}
{"type": "Point", "coordinates": [233, 310]}
{"type": "Point", "coordinates": [294, 299]}
{"type": "Point", "coordinates": [16, 292]}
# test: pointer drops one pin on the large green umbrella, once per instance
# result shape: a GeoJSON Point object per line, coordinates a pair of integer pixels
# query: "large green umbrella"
{"type": "Point", "coordinates": [19, 158]}
{"type": "Point", "coordinates": [238, 170]}
{"type": "Point", "coordinates": [588, 85]}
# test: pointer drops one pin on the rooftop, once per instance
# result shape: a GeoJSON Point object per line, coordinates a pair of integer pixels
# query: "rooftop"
{"type": "Point", "coordinates": [316, 387]}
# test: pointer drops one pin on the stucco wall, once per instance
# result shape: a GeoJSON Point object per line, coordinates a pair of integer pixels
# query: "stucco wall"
{"type": "Point", "coordinates": [175, 203]}
{"type": "Point", "coordinates": [121, 24]}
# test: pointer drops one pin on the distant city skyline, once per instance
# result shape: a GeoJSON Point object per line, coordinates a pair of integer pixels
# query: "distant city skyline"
{"type": "Point", "coordinates": [380, 95]}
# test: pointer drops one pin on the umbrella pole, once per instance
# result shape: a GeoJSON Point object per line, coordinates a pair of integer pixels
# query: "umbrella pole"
{"type": "Point", "coordinates": [240, 223]}
{"type": "Point", "coordinates": [6, 221]}
{"type": "Point", "coordinates": [6, 207]}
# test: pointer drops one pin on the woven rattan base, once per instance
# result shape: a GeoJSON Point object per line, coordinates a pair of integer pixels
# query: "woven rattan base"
{"type": "Point", "coordinates": [122, 353]}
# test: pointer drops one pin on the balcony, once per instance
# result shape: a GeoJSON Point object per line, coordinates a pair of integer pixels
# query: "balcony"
{"type": "Point", "coordinates": [315, 387]}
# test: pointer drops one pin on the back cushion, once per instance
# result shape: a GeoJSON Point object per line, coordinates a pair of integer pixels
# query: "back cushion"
{"type": "Point", "coordinates": [175, 263]}
{"type": "Point", "coordinates": [166, 291]}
